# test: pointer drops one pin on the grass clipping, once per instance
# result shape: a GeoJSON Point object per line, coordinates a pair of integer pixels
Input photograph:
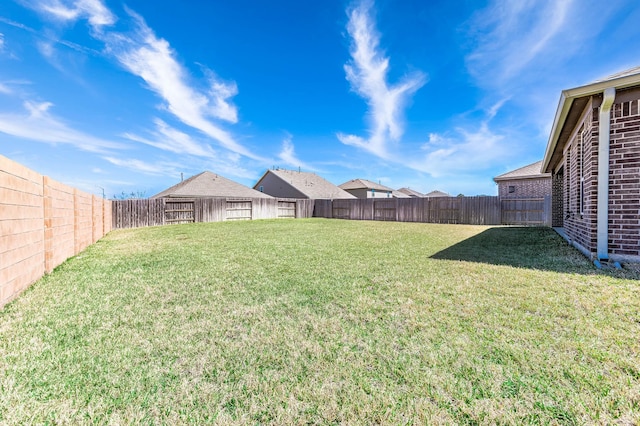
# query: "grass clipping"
{"type": "Point", "coordinates": [324, 322]}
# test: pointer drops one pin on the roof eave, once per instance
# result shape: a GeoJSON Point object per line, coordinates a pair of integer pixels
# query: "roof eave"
{"type": "Point", "coordinates": [507, 178]}
{"type": "Point", "coordinates": [566, 100]}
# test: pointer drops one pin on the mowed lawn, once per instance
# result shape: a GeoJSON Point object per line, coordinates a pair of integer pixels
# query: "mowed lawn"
{"type": "Point", "coordinates": [317, 321]}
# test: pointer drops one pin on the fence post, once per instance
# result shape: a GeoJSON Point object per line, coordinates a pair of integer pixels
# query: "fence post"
{"type": "Point", "coordinates": [48, 231]}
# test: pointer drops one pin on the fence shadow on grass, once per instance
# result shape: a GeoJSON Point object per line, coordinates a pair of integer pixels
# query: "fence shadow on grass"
{"type": "Point", "coordinates": [523, 247]}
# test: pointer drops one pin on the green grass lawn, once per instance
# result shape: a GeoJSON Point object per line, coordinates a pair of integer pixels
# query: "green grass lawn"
{"type": "Point", "coordinates": [324, 322]}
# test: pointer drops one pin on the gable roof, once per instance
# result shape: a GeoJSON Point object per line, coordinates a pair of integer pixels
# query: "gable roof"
{"type": "Point", "coordinates": [208, 184]}
{"type": "Point", "coordinates": [370, 185]}
{"type": "Point", "coordinates": [436, 193]}
{"type": "Point", "coordinates": [410, 192]}
{"type": "Point", "coordinates": [309, 184]}
{"type": "Point", "coordinates": [530, 171]}
{"type": "Point", "coordinates": [572, 102]}
{"type": "Point", "coordinates": [364, 184]}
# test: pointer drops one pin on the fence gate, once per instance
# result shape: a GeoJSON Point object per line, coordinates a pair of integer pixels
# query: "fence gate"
{"type": "Point", "coordinates": [238, 210]}
{"type": "Point", "coordinates": [179, 211]}
{"type": "Point", "coordinates": [287, 209]}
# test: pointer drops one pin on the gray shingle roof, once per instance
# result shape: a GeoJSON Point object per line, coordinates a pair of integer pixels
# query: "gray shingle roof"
{"type": "Point", "coordinates": [411, 192]}
{"type": "Point", "coordinates": [625, 73]}
{"type": "Point", "coordinates": [367, 184]}
{"type": "Point", "coordinates": [208, 184]}
{"type": "Point", "coordinates": [310, 184]}
{"type": "Point", "coordinates": [436, 193]}
{"type": "Point", "coordinates": [364, 184]}
{"type": "Point", "coordinates": [527, 172]}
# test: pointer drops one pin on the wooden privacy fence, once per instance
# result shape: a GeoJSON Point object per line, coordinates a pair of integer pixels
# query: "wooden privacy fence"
{"type": "Point", "coordinates": [526, 211]}
{"type": "Point", "coordinates": [42, 223]}
{"type": "Point", "coordinates": [481, 210]}
{"type": "Point", "coordinates": [167, 211]}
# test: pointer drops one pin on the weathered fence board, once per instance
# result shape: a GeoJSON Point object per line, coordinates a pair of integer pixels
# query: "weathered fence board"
{"type": "Point", "coordinates": [385, 209]}
{"type": "Point", "coordinates": [210, 209]}
{"type": "Point", "coordinates": [304, 208]}
{"type": "Point", "coordinates": [153, 212]}
{"type": "Point", "coordinates": [178, 211]}
{"type": "Point", "coordinates": [287, 209]}
{"type": "Point", "coordinates": [464, 210]}
{"type": "Point", "coordinates": [264, 208]}
{"type": "Point", "coordinates": [323, 208]}
{"type": "Point", "coordinates": [238, 210]}
{"type": "Point", "coordinates": [526, 211]}
{"type": "Point", "coordinates": [481, 210]}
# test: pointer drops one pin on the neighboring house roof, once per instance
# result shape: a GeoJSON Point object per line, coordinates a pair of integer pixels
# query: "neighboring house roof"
{"type": "Point", "coordinates": [354, 184]}
{"type": "Point", "coordinates": [570, 106]}
{"type": "Point", "coordinates": [364, 184]}
{"type": "Point", "coordinates": [309, 184]}
{"type": "Point", "coordinates": [530, 171]}
{"type": "Point", "coordinates": [410, 192]}
{"type": "Point", "coordinates": [208, 184]}
{"type": "Point", "coordinates": [436, 193]}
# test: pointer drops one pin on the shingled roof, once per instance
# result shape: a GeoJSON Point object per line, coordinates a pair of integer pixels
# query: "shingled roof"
{"type": "Point", "coordinates": [436, 193]}
{"type": "Point", "coordinates": [530, 171]}
{"type": "Point", "coordinates": [367, 184]}
{"type": "Point", "coordinates": [308, 184]}
{"type": "Point", "coordinates": [209, 184]}
{"type": "Point", "coordinates": [411, 192]}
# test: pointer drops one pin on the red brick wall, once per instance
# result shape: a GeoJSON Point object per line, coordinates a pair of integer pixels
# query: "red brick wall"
{"type": "Point", "coordinates": [557, 188]}
{"type": "Point", "coordinates": [525, 188]}
{"type": "Point", "coordinates": [42, 223]}
{"type": "Point", "coordinates": [624, 178]}
{"type": "Point", "coordinates": [581, 158]}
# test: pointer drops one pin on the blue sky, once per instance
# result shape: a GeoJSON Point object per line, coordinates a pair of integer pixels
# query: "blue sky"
{"type": "Point", "coordinates": [127, 96]}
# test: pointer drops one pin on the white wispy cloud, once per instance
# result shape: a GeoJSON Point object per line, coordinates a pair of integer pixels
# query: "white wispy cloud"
{"type": "Point", "coordinates": [152, 59]}
{"type": "Point", "coordinates": [367, 73]}
{"type": "Point", "coordinates": [220, 92]}
{"type": "Point", "coordinates": [167, 138]}
{"type": "Point", "coordinates": [288, 155]}
{"type": "Point", "coordinates": [464, 152]}
{"type": "Point", "coordinates": [160, 168]}
{"type": "Point", "coordinates": [510, 35]}
{"type": "Point", "coordinates": [94, 11]}
{"type": "Point", "coordinates": [38, 124]}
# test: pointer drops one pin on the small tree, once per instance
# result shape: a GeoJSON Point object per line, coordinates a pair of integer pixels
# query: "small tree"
{"type": "Point", "coordinates": [137, 195]}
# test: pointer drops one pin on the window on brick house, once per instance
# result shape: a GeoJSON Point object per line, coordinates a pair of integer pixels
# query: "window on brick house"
{"type": "Point", "coordinates": [512, 189]}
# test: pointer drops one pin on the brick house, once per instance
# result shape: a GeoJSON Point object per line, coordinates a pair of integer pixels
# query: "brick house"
{"type": "Point", "coordinates": [593, 155]}
{"type": "Point", "coordinates": [525, 182]}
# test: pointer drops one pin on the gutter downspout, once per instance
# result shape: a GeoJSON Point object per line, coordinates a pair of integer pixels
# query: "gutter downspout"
{"type": "Point", "coordinates": [604, 130]}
